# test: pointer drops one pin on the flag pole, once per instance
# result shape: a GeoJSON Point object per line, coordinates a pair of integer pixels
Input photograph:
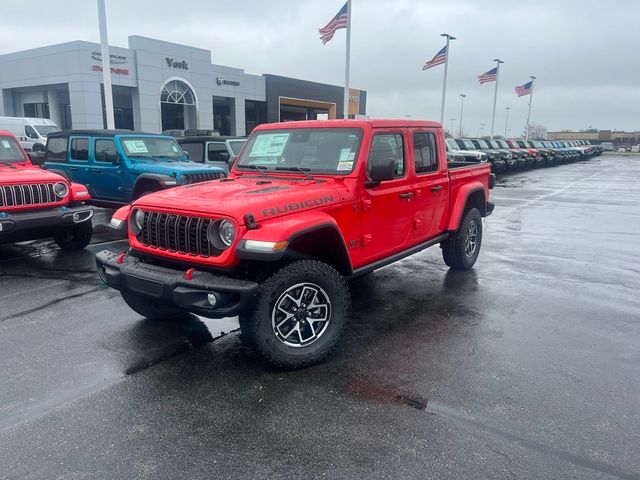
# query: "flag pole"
{"type": "Point", "coordinates": [495, 95]}
{"type": "Point", "coordinates": [106, 66]}
{"type": "Point", "coordinates": [346, 68]}
{"type": "Point", "coordinates": [444, 80]}
{"type": "Point", "coordinates": [529, 114]}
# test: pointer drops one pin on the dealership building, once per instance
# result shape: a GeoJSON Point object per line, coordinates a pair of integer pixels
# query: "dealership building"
{"type": "Point", "coordinates": [158, 86]}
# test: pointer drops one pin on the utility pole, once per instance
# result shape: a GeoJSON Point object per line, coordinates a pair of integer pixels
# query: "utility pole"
{"type": "Point", "coordinates": [347, 60]}
{"type": "Point", "coordinates": [482, 129]}
{"type": "Point", "coordinates": [462, 97]}
{"type": "Point", "coordinates": [106, 66]}
{"type": "Point", "coordinates": [446, 68]}
{"type": "Point", "coordinates": [452, 120]}
{"type": "Point", "coordinates": [529, 114]}
{"type": "Point", "coordinates": [495, 95]}
{"type": "Point", "coordinates": [506, 123]}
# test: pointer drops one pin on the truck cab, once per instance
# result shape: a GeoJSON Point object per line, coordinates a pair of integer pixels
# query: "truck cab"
{"type": "Point", "coordinates": [306, 206]}
{"type": "Point", "coordinates": [35, 203]}
{"type": "Point", "coordinates": [219, 151]}
{"type": "Point", "coordinates": [119, 166]}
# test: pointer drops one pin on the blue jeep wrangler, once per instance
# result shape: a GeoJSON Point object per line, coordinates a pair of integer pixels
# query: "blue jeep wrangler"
{"type": "Point", "coordinates": [119, 166]}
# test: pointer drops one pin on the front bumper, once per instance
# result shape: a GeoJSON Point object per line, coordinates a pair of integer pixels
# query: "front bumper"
{"type": "Point", "coordinates": [31, 225]}
{"type": "Point", "coordinates": [188, 291]}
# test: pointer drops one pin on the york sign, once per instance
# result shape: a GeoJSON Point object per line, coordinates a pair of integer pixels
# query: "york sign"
{"type": "Point", "coordinates": [176, 64]}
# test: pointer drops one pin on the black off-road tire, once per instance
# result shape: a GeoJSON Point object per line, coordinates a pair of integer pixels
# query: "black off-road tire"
{"type": "Point", "coordinates": [76, 237]}
{"type": "Point", "coordinates": [151, 308]}
{"type": "Point", "coordinates": [455, 250]}
{"type": "Point", "coordinates": [257, 328]}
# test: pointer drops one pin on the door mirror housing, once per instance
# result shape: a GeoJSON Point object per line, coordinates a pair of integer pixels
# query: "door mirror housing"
{"type": "Point", "coordinates": [380, 170]}
{"type": "Point", "coordinates": [116, 160]}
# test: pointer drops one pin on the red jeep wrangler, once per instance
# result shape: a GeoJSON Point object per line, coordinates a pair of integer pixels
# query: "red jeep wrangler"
{"type": "Point", "coordinates": [35, 203]}
{"type": "Point", "coordinates": [306, 206]}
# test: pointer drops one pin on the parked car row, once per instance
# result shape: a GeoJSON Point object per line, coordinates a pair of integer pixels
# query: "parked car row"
{"type": "Point", "coordinates": [509, 155]}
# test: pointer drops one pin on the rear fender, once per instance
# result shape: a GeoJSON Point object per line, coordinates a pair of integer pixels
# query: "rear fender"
{"type": "Point", "coordinates": [468, 191]}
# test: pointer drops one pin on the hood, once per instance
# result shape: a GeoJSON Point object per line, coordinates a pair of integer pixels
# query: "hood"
{"type": "Point", "coordinates": [235, 197]}
{"type": "Point", "coordinates": [26, 173]}
{"type": "Point", "coordinates": [171, 168]}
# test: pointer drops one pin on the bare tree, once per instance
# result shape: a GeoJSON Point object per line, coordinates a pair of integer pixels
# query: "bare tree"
{"type": "Point", "coordinates": [536, 132]}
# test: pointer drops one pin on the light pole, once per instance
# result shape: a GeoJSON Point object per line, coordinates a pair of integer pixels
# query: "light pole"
{"type": "Point", "coordinates": [506, 123]}
{"type": "Point", "coordinates": [462, 97]}
{"type": "Point", "coordinates": [482, 129]}
{"type": "Point", "coordinates": [529, 114]}
{"type": "Point", "coordinates": [452, 120]}
{"type": "Point", "coordinates": [446, 68]}
{"type": "Point", "coordinates": [106, 66]}
{"type": "Point", "coordinates": [495, 95]}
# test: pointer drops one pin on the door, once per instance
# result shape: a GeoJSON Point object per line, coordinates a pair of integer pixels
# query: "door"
{"type": "Point", "coordinates": [387, 208]}
{"type": "Point", "coordinates": [218, 154]}
{"type": "Point", "coordinates": [431, 186]}
{"type": "Point", "coordinates": [107, 178]}
{"type": "Point", "coordinates": [78, 168]}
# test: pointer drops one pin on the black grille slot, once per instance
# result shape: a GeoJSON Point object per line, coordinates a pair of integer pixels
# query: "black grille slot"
{"type": "Point", "coordinates": [177, 233]}
{"type": "Point", "coordinates": [27, 194]}
{"type": "Point", "coordinates": [202, 177]}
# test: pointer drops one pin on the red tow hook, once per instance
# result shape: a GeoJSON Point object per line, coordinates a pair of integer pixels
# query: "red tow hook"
{"type": "Point", "coordinates": [188, 275]}
{"type": "Point", "coordinates": [121, 258]}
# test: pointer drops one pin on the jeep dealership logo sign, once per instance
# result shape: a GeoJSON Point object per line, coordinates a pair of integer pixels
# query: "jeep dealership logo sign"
{"type": "Point", "coordinates": [221, 81]}
{"type": "Point", "coordinates": [113, 59]}
{"type": "Point", "coordinates": [180, 65]}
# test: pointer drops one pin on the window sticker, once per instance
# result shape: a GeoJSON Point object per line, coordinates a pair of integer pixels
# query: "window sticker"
{"type": "Point", "coordinates": [174, 148]}
{"type": "Point", "coordinates": [342, 166]}
{"type": "Point", "coordinates": [344, 154]}
{"type": "Point", "coordinates": [269, 145]}
{"type": "Point", "coordinates": [6, 144]}
{"type": "Point", "coordinates": [352, 155]}
{"type": "Point", "coordinates": [136, 146]}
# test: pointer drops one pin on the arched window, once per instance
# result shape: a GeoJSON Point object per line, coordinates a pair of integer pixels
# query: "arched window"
{"type": "Point", "coordinates": [176, 91]}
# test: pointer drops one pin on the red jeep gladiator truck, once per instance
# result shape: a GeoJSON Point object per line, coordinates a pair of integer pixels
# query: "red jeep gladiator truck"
{"type": "Point", "coordinates": [35, 203]}
{"type": "Point", "coordinates": [307, 206]}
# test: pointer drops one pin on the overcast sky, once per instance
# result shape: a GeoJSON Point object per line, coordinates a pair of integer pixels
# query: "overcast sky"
{"type": "Point", "coordinates": [585, 53]}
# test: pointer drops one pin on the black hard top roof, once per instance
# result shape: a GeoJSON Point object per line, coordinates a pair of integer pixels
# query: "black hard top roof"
{"type": "Point", "coordinates": [211, 138]}
{"type": "Point", "coordinates": [97, 133]}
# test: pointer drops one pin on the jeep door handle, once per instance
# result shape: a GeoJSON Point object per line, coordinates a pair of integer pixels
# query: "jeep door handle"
{"type": "Point", "coordinates": [407, 195]}
{"type": "Point", "coordinates": [73, 169]}
{"type": "Point", "coordinates": [94, 170]}
{"type": "Point", "coordinates": [436, 188]}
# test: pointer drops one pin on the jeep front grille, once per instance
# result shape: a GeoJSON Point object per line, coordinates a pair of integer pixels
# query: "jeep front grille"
{"type": "Point", "coordinates": [177, 233]}
{"type": "Point", "coordinates": [27, 194]}
{"type": "Point", "coordinates": [190, 178]}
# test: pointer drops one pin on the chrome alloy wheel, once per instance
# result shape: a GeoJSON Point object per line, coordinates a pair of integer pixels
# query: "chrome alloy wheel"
{"type": "Point", "coordinates": [471, 239]}
{"type": "Point", "coordinates": [301, 315]}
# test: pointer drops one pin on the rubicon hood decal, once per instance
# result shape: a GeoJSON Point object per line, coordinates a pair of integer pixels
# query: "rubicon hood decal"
{"type": "Point", "coordinates": [290, 207]}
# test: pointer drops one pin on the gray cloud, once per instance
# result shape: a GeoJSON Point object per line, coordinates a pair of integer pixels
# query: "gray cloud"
{"type": "Point", "coordinates": [583, 52]}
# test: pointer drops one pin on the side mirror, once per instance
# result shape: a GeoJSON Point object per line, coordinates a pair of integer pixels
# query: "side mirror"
{"type": "Point", "coordinates": [116, 160]}
{"type": "Point", "coordinates": [231, 161]}
{"type": "Point", "coordinates": [186, 154]}
{"type": "Point", "coordinates": [380, 170]}
{"type": "Point", "coordinates": [225, 157]}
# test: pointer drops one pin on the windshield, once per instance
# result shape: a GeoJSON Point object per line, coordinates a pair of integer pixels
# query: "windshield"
{"type": "Point", "coordinates": [45, 130]}
{"type": "Point", "coordinates": [503, 144]}
{"type": "Point", "coordinates": [482, 143]}
{"type": "Point", "coordinates": [451, 143]}
{"type": "Point", "coordinates": [236, 146]}
{"type": "Point", "coordinates": [468, 144]}
{"type": "Point", "coordinates": [521, 144]}
{"type": "Point", "coordinates": [10, 151]}
{"type": "Point", "coordinates": [317, 150]}
{"type": "Point", "coordinates": [153, 147]}
{"type": "Point", "coordinates": [537, 144]}
{"type": "Point", "coordinates": [493, 144]}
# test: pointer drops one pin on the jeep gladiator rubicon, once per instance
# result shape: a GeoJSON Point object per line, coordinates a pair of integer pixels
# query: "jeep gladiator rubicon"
{"type": "Point", "coordinates": [307, 205]}
{"type": "Point", "coordinates": [37, 204]}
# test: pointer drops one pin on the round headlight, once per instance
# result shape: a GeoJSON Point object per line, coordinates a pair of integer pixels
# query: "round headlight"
{"type": "Point", "coordinates": [227, 232]}
{"type": "Point", "coordinates": [60, 189]}
{"type": "Point", "coordinates": [137, 221]}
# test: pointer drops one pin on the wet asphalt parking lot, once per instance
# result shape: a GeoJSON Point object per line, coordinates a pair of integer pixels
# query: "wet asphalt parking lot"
{"type": "Point", "coordinates": [526, 367]}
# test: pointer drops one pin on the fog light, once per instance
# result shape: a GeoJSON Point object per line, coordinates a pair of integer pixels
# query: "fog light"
{"type": "Point", "coordinates": [212, 299]}
{"type": "Point", "coordinates": [76, 217]}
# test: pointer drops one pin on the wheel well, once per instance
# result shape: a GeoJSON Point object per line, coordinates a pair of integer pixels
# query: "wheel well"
{"type": "Point", "coordinates": [324, 244]}
{"type": "Point", "coordinates": [477, 200]}
{"type": "Point", "coordinates": [145, 185]}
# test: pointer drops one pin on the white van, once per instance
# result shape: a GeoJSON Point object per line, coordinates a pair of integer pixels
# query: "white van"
{"type": "Point", "coordinates": [30, 132]}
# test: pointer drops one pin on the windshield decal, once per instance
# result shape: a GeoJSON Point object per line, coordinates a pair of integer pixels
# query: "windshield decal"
{"type": "Point", "coordinates": [136, 146]}
{"type": "Point", "coordinates": [269, 145]}
{"type": "Point", "coordinates": [6, 144]}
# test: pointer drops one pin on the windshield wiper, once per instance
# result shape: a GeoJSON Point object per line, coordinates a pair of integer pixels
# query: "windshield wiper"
{"type": "Point", "coordinates": [298, 169]}
{"type": "Point", "coordinates": [261, 168]}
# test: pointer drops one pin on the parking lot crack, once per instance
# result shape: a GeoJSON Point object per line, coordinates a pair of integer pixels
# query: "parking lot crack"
{"type": "Point", "coordinates": [48, 304]}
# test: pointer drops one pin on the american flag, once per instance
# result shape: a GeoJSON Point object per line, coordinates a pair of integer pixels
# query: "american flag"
{"type": "Point", "coordinates": [489, 76]}
{"type": "Point", "coordinates": [439, 59]}
{"type": "Point", "coordinates": [336, 23]}
{"type": "Point", "coordinates": [525, 89]}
